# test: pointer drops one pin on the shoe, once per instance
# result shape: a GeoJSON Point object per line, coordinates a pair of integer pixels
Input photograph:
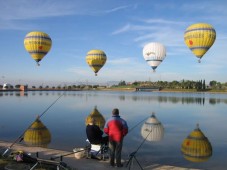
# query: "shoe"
{"type": "Point", "coordinates": [120, 165]}
{"type": "Point", "coordinates": [112, 164]}
{"type": "Point", "coordinates": [94, 157]}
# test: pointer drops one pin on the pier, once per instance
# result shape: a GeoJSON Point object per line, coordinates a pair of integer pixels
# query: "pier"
{"type": "Point", "coordinates": [148, 88]}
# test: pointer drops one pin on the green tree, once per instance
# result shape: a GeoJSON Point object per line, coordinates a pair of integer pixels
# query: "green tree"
{"type": "Point", "coordinates": [204, 85]}
{"type": "Point", "coordinates": [213, 83]}
{"type": "Point", "coordinates": [121, 83]}
{"type": "Point", "coordinates": [17, 86]}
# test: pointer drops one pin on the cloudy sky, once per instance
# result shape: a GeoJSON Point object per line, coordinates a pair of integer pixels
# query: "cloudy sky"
{"type": "Point", "coordinates": [121, 28]}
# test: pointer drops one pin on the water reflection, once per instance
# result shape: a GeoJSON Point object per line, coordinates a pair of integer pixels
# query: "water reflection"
{"type": "Point", "coordinates": [152, 129]}
{"type": "Point", "coordinates": [37, 135]}
{"type": "Point", "coordinates": [199, 99]}
{"type": "Point", "coordinates": [66, 121]}
{"type": "Point", "coordinates": [196, 147]}
{"type": "Point", "coordinates": [99, 119]}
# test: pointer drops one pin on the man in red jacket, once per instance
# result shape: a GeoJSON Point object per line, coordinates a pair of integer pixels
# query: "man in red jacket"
{"type": "Point", "coordinates": [116, 128]}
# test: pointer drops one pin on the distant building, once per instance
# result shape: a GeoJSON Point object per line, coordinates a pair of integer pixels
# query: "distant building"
{"type": "Point", "coordinates": [7, 86]}
{"type": "Point", "coordinates": [23, 88]}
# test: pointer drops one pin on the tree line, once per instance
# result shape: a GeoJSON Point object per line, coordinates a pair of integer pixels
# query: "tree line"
{"type": "Point", "coordinates": [184, 84]}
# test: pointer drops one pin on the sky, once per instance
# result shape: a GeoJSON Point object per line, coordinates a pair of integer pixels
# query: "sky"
{"type": "Point", "coordinates": [120, 28]}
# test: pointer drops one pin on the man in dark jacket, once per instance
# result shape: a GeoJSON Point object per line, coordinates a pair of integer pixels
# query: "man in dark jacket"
{"type": "Point", "coordinates": [94, 133]}
{"type": "Point", "coordinates": [116, 128]}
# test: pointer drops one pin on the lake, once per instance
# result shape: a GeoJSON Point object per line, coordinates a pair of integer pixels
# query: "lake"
{"type": "Point", "coordinates": [179, 113]}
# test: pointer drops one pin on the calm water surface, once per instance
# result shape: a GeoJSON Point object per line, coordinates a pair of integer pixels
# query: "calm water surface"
{"type": "Point", "coordinates": [178, 112]}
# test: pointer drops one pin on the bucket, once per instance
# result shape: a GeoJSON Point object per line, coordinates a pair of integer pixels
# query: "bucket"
{"type": "Point", "coordinates": [79, 153]}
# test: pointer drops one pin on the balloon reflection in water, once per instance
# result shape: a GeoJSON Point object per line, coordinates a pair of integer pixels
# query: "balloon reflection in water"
{"type": "Point", "coordinates": [37, 134]}
{"type": "Point", "coordinates": [99, 119]}
{"type": "Point", "coordinates": [152, 129]}
{"type": "Point", "coordinates": [196, 147]}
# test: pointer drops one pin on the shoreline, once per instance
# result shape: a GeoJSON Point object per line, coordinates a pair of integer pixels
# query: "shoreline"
{"type": "Point", "coordinates": [120, 89]}
{"type": "Point", "coordinates": [82, 163]}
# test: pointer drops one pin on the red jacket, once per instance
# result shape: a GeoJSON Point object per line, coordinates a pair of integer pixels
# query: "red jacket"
{"type": "Point", "coordinates": [116, 128]}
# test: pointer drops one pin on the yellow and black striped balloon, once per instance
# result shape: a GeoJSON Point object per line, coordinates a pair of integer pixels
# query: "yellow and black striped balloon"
{"type": "Point", "coordinates": [199, 38]}
{"type": "Point", "coordinates": [96, 60]}
{"type": "Point", "coordinates": [196, 147]}
{"type": "Point", "coordinates": [37, 134]}
{"type": "Point", "coordinates": [37, 44]}
{"type": "Point", "coordinates": [97, 117]}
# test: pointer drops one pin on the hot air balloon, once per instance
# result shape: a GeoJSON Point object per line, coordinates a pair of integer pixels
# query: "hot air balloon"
{"type": "Point", "coordinates": [96, 60]}
{"type": "Point", "coordinates": [99, 119]}
{"type": "Point", "coordinates": [37, 134]}
{"type": "Point", "coordinates": [154, 53]}
{"type": "Point", "coordinates": [152, 129]}
{"type": "Point", "coordinates": [199, 38]}
{"type": "Point", "coordinates": [196, 147]}
{"type": "Point", "coordinates": [38, 44]}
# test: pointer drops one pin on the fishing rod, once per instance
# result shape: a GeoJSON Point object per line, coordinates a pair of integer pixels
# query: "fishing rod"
{"type": "Point", "coordinates": [137, 124]}
{"type": "Point", "coordinates": [20, 138]}
{"type": "Point", "coordinates": [133, 154]}
{"type": "Point", "coordinates": [70, 153]}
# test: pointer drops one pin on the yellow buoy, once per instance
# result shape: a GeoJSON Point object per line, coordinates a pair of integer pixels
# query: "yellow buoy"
{"type": "Point", "coordinates": [196, 147]}
{"type": "Point", "coordinates": [99, 119]}
{"type": "Point", "coordinates": [37, 134]}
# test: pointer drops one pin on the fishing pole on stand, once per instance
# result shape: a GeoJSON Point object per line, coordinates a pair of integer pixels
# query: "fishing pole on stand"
{"type": "Point", "coordinates": [133, 154]}
{"type": "Point", "coordinates": [20, 138]}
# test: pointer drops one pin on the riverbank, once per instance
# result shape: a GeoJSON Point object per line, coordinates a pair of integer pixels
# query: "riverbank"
{"type": "Point", "coordinates": [123, 89]}
{"type": "Point", "coordinates": [83, 163]}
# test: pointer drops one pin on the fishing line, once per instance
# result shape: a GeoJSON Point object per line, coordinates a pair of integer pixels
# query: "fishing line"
{"type": "Point", "coordinates": [51, 105]}
{"type": "Point", "coordinates": [20, 138]}
{"type": "Point", "coordinates": [137, 124]}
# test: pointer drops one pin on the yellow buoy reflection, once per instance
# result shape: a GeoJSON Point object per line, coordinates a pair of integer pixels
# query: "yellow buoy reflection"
{"type": "Point", "coordinates": [152, 129]}
{"type": "Point", "coordinates": [37, 134]}
{"type": "Point", "coordinates": [196, 147]}
{"type": "Point", "coordinates": [99, 119]}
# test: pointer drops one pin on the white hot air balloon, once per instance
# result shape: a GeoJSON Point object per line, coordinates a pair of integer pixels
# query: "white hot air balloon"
{"type": "Point", "coordinates": [154, 53]}
{"type": "Point", "coordinates": [152, 129]}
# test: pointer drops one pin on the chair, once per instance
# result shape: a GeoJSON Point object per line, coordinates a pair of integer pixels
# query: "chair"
{"type": "Point", "coordinates": [97, 151]}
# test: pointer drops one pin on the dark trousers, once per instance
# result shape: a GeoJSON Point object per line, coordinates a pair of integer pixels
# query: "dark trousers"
{"type": "Point", "coordinates": [115, 152]}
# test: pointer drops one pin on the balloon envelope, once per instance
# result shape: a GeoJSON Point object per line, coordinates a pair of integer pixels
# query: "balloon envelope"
{"type": "Point", "coordinates": [38, 44]}
{"type": "Point", "coordinates": [37, 134]}
{"type": "Point", "coordinates": [196, 147]}
{"type": "Point", "coordinates": [99, 119]}
{"type": "Point", "coordinates": [152, 129]}
{"type": "Point", "coordinates": [199, 38]}
{"type": "Point", "coordinates": [154, 53]}
{"type": "Point", "coordinates": [96, 59]}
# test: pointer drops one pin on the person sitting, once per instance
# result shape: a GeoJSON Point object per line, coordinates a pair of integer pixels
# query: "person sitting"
{"type": "Point", "coordinates": [94, 133]}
